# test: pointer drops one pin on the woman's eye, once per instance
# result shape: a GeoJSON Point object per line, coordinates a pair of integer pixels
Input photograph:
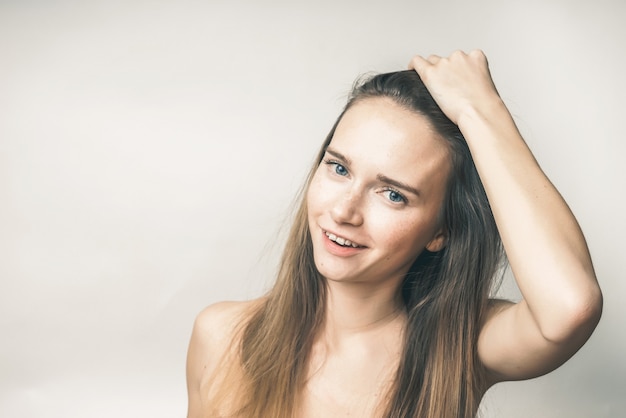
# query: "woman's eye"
{"type": "Point", "coordinates": [395, 196]}
{"type": "Point", "coordinates": [341, 170]}
{"type": "Point", "coordinates": [337, 167]}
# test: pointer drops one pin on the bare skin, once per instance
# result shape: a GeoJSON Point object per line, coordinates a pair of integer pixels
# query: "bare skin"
{"type": "Point", "coordinates": [211, 338]}
{"type": "Point", "coordinates": [361, 337]}
{"type": "Point", "coordinates": [346, 379]}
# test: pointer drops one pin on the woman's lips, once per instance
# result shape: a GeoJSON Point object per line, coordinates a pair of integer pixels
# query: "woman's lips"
{"type": "Point", "coordinates": [334, 246]}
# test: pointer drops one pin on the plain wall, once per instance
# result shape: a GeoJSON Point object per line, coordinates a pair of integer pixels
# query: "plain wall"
{"type": "Point", "coordinates": [149, 153]}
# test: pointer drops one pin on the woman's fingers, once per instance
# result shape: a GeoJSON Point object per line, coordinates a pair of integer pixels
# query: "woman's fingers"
{"type": "Point", "coordinates": [420, 64]}
{"type": "Point", "coordinates": [433, 59]}
{"type": "Point", "coordinates": [417, 63]}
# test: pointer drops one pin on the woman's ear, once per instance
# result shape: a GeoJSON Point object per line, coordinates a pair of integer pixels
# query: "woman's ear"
{"type": "Point", "coordinates": [438, 242]}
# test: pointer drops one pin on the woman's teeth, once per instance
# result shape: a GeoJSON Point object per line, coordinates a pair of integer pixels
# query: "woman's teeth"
{"type": "Point", "coordinates": [341, 241]}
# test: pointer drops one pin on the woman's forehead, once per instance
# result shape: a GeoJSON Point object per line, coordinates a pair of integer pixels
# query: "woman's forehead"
{"type": "Point", "coordinates": [384, 128]}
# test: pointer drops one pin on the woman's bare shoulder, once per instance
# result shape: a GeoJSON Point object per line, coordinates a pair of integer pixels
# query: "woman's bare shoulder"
{"type": "Point", "coordinates": [213, 340]}
{"type": "Point", "coordinates": [213, 334]}
{"type": "Point", "coordinates": [216, 324]}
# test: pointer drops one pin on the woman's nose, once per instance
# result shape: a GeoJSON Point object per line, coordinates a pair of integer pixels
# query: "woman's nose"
{"type": "Point", "coordinates": [347, 209]}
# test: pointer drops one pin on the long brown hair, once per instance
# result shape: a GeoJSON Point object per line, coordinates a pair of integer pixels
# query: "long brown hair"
{"type": "Point", "coordinates": [445, 295]}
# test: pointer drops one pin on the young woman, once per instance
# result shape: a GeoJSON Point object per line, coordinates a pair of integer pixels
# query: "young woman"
{"type": "Point", "coordinates": [381, 306]}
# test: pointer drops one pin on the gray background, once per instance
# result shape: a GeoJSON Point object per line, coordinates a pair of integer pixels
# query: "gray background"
{"type": "Point", "coordinates": [149, 152]}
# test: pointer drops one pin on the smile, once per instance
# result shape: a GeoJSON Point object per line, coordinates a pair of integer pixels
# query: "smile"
{"type": "Point", "coordinates": [344, 242]}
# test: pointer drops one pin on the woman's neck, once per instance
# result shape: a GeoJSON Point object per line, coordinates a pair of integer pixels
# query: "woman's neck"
{"type": "Point", "coordinates": [355, 312]}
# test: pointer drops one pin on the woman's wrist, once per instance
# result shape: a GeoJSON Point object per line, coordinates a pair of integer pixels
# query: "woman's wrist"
{"type": "Point", "coordinates": [488, 111]}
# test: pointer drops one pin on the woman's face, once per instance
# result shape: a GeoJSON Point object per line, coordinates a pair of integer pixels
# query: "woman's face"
{"type": "Point", "coordinates": [375, 199]}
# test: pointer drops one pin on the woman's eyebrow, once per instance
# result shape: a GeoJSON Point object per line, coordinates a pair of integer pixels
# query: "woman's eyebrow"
{"type": "Point", "coordinates": [339, 155]}
{"type": "Point", "coordinates": [398, 184]}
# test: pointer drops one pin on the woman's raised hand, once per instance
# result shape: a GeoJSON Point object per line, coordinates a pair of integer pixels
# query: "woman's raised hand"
{"type": "Point", "coordinates": [460, 83]}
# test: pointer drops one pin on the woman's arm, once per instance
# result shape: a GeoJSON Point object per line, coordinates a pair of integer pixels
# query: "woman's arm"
{"type": "Point", "coordinates": [547, 252]}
